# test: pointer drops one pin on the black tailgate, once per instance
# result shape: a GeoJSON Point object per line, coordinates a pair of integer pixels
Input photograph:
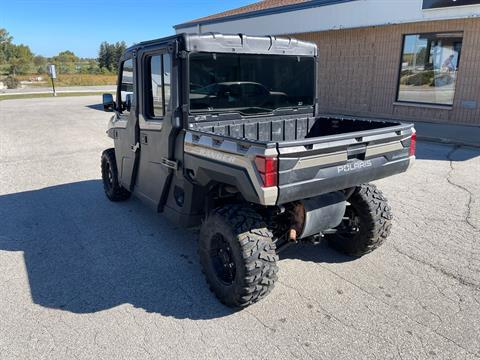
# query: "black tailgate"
{"type": "Point", "coordinates": [315, 166]}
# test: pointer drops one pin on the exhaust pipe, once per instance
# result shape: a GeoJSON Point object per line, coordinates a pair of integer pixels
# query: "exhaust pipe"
{"type": "Point", "coordinates": [315, 215]}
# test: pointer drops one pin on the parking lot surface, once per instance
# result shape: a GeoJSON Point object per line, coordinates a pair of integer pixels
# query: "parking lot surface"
{"type": "Point", "coordinates": [84, 278]}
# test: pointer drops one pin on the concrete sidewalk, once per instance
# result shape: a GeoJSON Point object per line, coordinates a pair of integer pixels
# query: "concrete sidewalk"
{"type": "Point", "coordinates": [447, 133]}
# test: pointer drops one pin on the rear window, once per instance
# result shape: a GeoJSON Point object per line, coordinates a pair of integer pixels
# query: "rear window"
{"type": "Point", "coordinates": [250, 83]}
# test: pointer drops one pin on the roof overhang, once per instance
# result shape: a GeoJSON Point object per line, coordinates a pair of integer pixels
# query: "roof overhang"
{"type": "Point", "coordinates": [263, 12]}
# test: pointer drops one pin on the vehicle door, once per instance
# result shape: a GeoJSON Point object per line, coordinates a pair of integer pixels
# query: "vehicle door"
{"type": "Point", "coordinates": [156, 129]}
{"type": "Point", "coordinates": [125, 130]}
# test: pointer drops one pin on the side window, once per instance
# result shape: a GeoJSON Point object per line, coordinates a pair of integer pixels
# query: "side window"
{"type": "Point", "coordinates": [126, 87]}
{"type": "Point", "coordinates": [167, 66]}
{"type": "Point", "coordinates": [158, 85]}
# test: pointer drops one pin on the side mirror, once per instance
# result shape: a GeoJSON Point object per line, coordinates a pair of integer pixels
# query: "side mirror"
{"type": "Point", "coordinates": [108, 103]}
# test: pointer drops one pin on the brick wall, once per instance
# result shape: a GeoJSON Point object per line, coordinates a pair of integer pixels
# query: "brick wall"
{"type": "Point", "coordinates": [359, 69]}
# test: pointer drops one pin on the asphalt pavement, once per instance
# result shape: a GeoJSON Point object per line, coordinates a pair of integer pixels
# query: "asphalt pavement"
{"type": "Point", "coordinates": [84, 278]}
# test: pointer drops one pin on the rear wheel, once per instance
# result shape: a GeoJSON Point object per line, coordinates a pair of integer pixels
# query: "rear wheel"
{"type": "Point", "coordinates": [366, 224]}
{"type": "Point", "coordinates": [237, 255]}
{"type": "Point", "coordinates": [113, 189]}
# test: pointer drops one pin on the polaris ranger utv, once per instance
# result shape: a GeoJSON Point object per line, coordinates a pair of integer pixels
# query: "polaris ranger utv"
{"type": "Point", "coordinates": [223, 131]}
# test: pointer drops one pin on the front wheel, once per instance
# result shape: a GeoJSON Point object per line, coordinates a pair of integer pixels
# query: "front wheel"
{"type": "Point", "coordinates": [111, 185]}
{"type": "Point", "coordinates": [366, 224]}
{"type": "Point", "coordinates": [237, 255]}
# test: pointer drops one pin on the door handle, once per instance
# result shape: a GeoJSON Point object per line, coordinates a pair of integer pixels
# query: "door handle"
{"type": "Point", "coordinates": [135, 147]}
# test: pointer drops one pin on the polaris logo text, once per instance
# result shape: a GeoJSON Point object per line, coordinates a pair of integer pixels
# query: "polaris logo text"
{"type": "Point", "coordinates": [354, 166]}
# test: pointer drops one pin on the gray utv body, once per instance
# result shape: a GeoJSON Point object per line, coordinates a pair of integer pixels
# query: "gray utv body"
{"type": "Point", "coordinates": [293, 166]}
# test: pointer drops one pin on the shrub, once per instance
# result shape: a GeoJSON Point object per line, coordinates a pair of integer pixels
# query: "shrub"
{"type": "Point", "coordinates": [442, 80]}
{"type": "Point", "coordinates": [11, 82]}
{"type": "Point", "coordinates": [406, 73]}
{"type": "Point", "coordinates": [418, 79]}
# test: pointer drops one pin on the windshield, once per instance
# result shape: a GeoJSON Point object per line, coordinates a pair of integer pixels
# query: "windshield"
{"type": "Point", "coordinates": [250, 83]}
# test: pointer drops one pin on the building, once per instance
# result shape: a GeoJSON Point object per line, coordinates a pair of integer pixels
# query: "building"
{"type": "Point", "coordinates": [401, 59]}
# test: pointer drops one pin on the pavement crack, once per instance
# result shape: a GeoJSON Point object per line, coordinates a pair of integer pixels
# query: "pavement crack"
{"type": "Point", "coordinates": [333, 316]}
{"type": "Point", "coordinates": [260, 321]}
{"type": "Point", "coordinates": [144, 344]}
{"type": "Point", "coordinates": [468, 215]}
{"type": "Point", "coordinates": [435, 331]}
{"type": "Point", "coordinates": [449, 274]}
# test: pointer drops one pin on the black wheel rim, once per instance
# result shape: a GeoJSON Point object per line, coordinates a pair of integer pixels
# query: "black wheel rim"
{"type": "Point", "coordinates": [350, 225]}
{"type": "Point", "coordinates": [222, 260]}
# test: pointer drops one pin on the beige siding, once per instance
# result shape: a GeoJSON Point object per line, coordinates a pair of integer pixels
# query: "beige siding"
{"type": "Point", "coordinates": [359, 69]}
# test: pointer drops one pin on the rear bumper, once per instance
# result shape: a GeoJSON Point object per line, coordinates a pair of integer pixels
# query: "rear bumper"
{"type": "Point", "coordinates": [343, 176]}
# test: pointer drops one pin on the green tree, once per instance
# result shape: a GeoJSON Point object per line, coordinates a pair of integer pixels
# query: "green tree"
{"type": "Point", "coordinates": [5, 45]}
{"type": "Point", "coordinates": [19, 57]}
{"type": "Point", "coordinates": [40, 62]}
{"type": "Point", "coordinates": [109, 55]}
{"type": "Point", "coordinates": [120, 48]}
{"type": "Point", "coordinates": [93, 67]}
{"type": "Point", "coordinates": [66, 56]}
{"type": "Point", "coordinates": [106, 56]}
{"type": "Point", "coordinates": [102, 55]}
{"type": "Point", "coordinates": [5, 36]}
{"type": "Point", "coordinates": [21, 60]}
{"type": "Point", "coordinates": [66, 62]}
{"type": "Point", "coordinates": [422, 56]}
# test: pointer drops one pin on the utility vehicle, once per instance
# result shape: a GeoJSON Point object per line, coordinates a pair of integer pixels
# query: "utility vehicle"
{"type": "Point", "coordinates": [224, 132]}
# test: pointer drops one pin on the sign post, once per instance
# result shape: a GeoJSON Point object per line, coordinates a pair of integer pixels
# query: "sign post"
{"type": "Point", "coordinates": [53, 75]}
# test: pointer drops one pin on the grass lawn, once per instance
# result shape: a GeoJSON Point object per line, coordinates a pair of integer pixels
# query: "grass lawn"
{"type": "Point", "coordinates": [33, 96]}
{"type": "Point", "coordinates": [70, 80]}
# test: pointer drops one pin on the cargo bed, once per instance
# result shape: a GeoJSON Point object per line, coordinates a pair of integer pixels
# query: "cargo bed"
{"type": "Point", "coordinates": [318, 155]}
{"type": "Point", "coordinates": [289, 128]}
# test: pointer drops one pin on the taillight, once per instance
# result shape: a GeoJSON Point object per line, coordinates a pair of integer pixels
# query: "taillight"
{"type": "Point", "coordinates": [413, 144]}
{"type": "Point", "coordinates": [267, 166]}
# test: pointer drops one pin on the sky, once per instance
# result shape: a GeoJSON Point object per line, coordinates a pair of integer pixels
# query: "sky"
{"type": "Point", "coordinates": [51, 26]}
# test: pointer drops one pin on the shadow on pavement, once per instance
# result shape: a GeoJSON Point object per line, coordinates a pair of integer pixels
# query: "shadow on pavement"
{"type": "Point", "coordinates": [98, 107]}
{"type": "Point", "coordinates": [320, 253]}
{"type": "Point", "coordinates": [84, 254]}
{"type": "Point", "coordinates": [445, 152]}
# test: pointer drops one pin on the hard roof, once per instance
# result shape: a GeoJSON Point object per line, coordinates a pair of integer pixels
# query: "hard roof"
{"type": "Point", "coordinates": [228, 43]}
